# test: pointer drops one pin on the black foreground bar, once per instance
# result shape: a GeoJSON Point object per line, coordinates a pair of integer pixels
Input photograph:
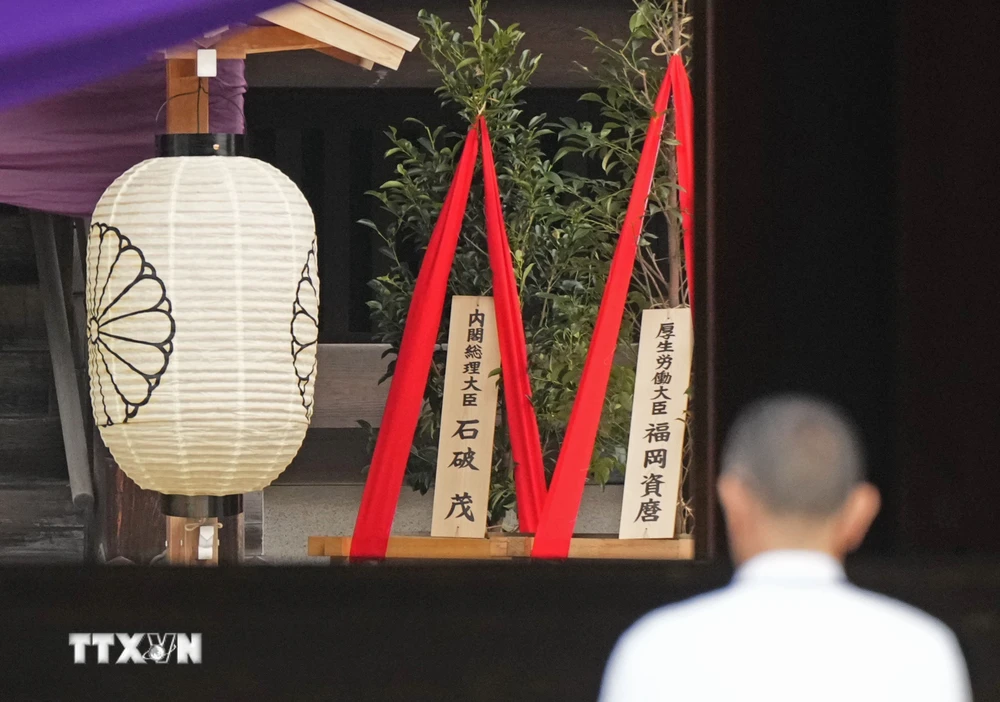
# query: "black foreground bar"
{"type": "Point", "coordinates": [398, 632]}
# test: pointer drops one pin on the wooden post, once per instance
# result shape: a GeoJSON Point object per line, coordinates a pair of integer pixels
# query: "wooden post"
{"type": "Point", "coordinates": [131, 523]}
{"type": "Point", "coordinates": [183, 535]}
{"type": "Point", "coordinates": [187, 98]}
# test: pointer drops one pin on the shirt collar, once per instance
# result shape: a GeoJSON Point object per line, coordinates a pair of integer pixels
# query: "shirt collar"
{"type": "Point", "coordinates": [791, 565]}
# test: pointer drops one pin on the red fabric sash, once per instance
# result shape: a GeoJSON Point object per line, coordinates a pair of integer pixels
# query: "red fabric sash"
{"type": "Point", "coordinates": [402, 410]}
{"type": "Point", "coordinates": [684, 119]}
{"type": "Point", "coordinates": [413, 364]}
{"type": "Point", "coordinates": [555, 528]}
{"type": "Point", "coordinates": [525, 441]}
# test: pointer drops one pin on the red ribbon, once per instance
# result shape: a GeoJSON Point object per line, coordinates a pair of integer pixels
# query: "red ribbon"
{"type": "Point", "coordinates": [406, 395]}
{"type": "Point", "coordinates": [684, 119]}
{"type": "Point", "coordinates": [555, 528]}
{"type": "Point", "coordinates": [525, 441]}
{"type": "Point", "coordinates": [413, 364]}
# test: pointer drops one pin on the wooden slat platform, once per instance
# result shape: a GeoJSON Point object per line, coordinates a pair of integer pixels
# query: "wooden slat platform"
{"type": "Point", "coordinates": [38, 523]}
{"type": "Point", "coordinates": [503, 546]}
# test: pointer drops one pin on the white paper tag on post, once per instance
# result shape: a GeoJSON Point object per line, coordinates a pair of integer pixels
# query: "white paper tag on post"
{"type": "Point", "coordinates": [206, 542]}
{"type": "Point", "coordinates": [207, 63]}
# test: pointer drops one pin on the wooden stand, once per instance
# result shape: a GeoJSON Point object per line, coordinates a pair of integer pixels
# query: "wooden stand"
{"type": "Point", "coordinates": [506, 547]}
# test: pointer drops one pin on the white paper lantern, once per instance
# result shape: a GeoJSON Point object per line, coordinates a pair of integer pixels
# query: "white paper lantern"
{"type": "Point", "coordinates": [202, 306]}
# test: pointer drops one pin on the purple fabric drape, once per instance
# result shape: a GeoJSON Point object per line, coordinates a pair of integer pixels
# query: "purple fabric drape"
{"type": "Point", "coordinates": [52, 46]}
{"type": "Point", "coordinates": [59, 154]}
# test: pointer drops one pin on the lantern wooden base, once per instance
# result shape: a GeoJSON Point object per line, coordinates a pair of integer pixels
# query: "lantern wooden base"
{"type": "Point", "coordinates": [506, 547]}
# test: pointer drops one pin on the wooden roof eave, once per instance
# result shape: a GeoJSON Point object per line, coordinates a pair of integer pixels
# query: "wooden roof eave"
{"type": "Point", "coordinates": [321, 25]}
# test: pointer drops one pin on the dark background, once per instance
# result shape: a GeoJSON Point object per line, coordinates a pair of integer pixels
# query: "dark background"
{"type": "Point", "coordinates": [848, 200]}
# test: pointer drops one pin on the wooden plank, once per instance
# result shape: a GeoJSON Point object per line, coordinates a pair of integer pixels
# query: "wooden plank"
{"type": "Point", "coordinates": [658, 424]}
{"type": "Point", "coordinates": [49, 546]}
{"type": "Point", "coordinates": [347, 57]}
{"type": "Point", "coordinates": [259, 40]}
{"type": "Point", "coordinates": [31, 447]}
{"type": "Point", "coordinates": [347, 387]}
{"type": "Point", "coordinates": [63, 364]}
{"type": "Point", "coordinates": [646, 549]}
{"type": "Point", "coordinates": [366, 23]}
{"type": "Point", "coordinates": [407, 547]}
{"type": "Point", "coordinates": [38, 523]}
{"type": "Point", "coordinates": [468, 420]}
{"type": "Point", "coordinates": [264, 40]}
{"type": "Point", "coordinates": [38, 503]}
{"type": "Point", "coordinates": [22, 321]}
{"type": "Point", "coordinates": [237, 43]}
{"type": "Point", "coordinates": [17, 258]}
{"type": "Point", "coordinates": [25, 381]}
{"type": "Point", "coordinates": [336, 33]}
{"type": "Point", "coordinates": [505, 546]}
{"type": "Point", "coordinates": [187, 98]}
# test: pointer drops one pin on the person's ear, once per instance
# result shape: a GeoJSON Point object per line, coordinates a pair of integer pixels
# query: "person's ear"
{"type": "Point", "coordinates": [857, 515]}
{"type": "Point", "coordinates": [737, 502]}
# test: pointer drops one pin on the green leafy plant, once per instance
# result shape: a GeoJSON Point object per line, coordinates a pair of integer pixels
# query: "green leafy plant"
{"type": "Point", "coordinates": [562, 226]}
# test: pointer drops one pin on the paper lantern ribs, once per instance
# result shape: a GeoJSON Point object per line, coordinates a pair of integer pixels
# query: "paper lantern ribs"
{"type": "Point", "coordinates": [202, 308]}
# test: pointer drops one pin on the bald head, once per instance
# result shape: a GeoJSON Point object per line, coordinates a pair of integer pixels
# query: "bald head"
{"type": "Point", "coordinates": [798, 455]}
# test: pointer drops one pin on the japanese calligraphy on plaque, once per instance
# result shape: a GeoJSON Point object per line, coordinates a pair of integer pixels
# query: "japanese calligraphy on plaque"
{"type": "Point", "coordinates": [656, 435]}
{"type": "Point", "coordinates": [468, 420]}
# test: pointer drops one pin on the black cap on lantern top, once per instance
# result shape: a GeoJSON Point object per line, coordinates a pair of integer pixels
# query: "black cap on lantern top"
{"type": "Point", "coordinates": [200, 145]}
{"type": "Point", "coordinates": [199, 507]}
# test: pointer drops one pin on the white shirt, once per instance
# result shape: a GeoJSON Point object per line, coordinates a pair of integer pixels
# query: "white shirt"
{"type": "Point", "coordinates": [789, 628]}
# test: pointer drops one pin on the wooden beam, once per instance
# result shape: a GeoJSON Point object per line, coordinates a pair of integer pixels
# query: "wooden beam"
{"type": "Point", "coordinates": [335, 33]}
{"type": "Point", "coordinates": [187, 98]}
{"type": "Point", "coordinates": [261, 40]}
{"type": "Point", "coordinates": [238, 43]}
{"type": "Point", "coordinates": [365, 23]}
{"type": "Point", "coordinates": [347, 57]}
{"type": "Point", "coordinates": [502, 546]}
{"type": "Point", "coordinates": [63, 365]}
